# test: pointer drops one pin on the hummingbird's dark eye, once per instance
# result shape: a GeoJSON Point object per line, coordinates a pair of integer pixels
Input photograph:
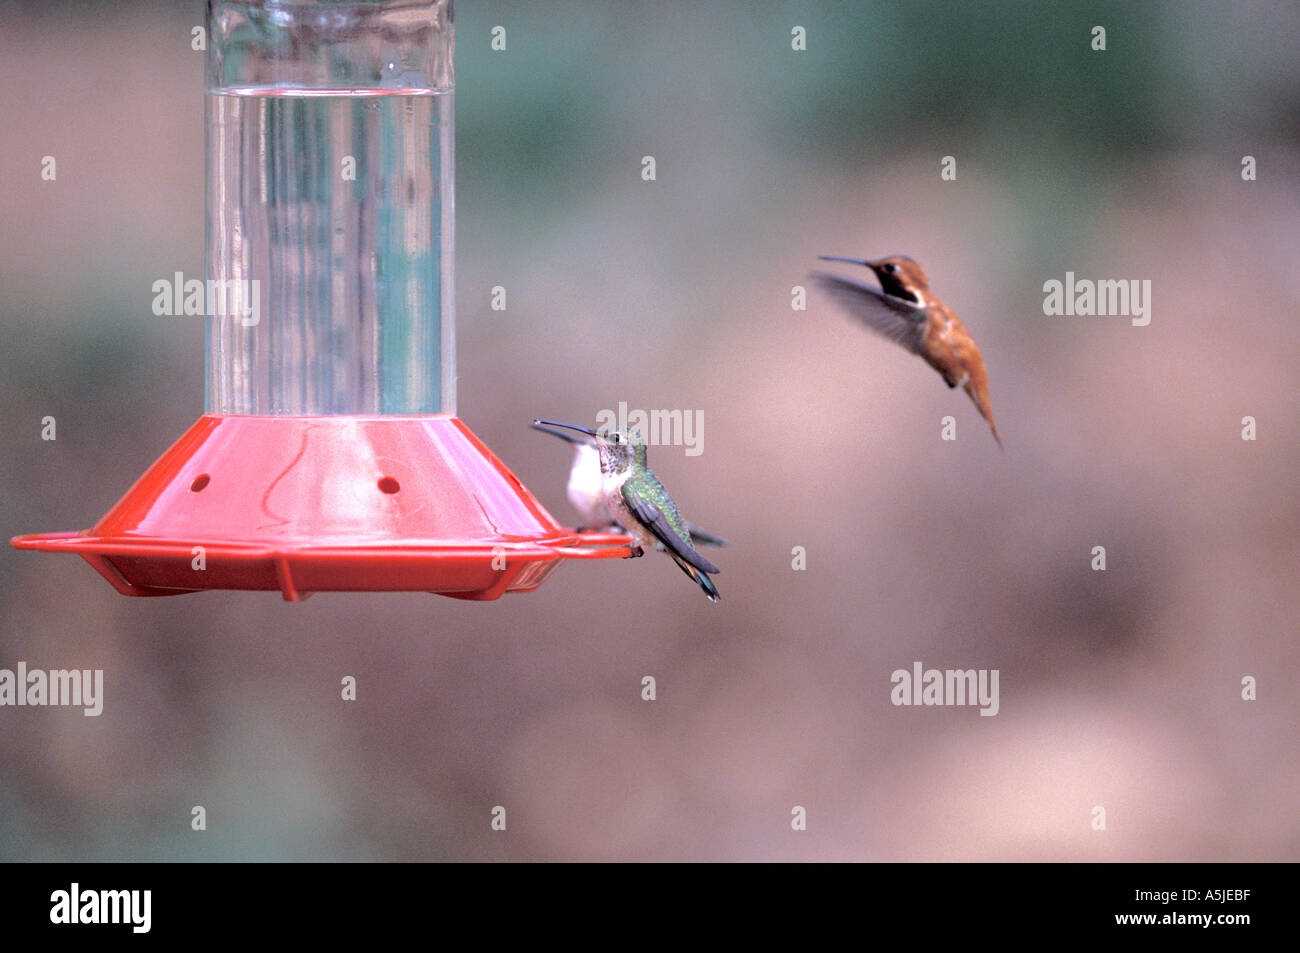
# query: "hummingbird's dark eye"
{"type": "Point", "coordinates": [891, 268]}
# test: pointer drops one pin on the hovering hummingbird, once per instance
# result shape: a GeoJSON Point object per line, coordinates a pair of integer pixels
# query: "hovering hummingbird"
{"type": "Point", "coordinates": [907, 312]}
{"type": "Point", "coordinates": [588, 497]}
{"type": "Point", "coordinates": [638, 502]}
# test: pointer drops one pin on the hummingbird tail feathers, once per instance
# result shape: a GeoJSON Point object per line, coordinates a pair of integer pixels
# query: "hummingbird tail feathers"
{"type": "Point", "coordinates": [702, 580]}
{"type": "Point", "coordinates": [707, 585]}
{"type": "Point", "coordinates": [979, 396]}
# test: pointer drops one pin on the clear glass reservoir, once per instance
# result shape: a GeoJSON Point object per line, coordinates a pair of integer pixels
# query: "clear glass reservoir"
{"type": "Point", "coordinates": [330, 207]}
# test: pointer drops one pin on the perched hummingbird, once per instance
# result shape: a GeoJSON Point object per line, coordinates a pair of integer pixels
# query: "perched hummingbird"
{"type": "Point", "coordinates": [908, 313]}
{"type": "Point", "coordinates": [638, 502]}
{"type": "Point", "coordinates": [587, 495]}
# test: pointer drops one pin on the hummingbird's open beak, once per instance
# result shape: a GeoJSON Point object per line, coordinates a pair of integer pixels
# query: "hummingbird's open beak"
{"type": "Point", "coordinates": [554, 423]}
{"type": "Point", "coordinates": [851, 261]}
{"type": "Point", "coordinates": [538, 425]}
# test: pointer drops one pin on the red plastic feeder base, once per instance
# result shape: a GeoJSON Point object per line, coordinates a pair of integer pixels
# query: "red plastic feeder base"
{"type": "Point", "coordinates": [340, 503]}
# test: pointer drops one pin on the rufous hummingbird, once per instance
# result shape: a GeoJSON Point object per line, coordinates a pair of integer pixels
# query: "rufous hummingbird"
{"type": "Point", "coordinates": [907, 312]}
{"type": "Point", "coordinates": [587, 495]}
{"type": "Point", "coordinates": [639, 503]}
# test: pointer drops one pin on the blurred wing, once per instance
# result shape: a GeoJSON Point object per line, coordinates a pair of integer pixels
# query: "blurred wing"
{"type": "Point", "coordinates": [889, 317]}
{"type": "Point", "coordinates": [655, 521]}
{"type": "Point", "coordinates": [700, 537]}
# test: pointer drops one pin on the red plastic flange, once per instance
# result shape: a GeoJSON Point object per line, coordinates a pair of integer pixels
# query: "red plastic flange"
{"type": "Point", "coordinates": [342, 503]}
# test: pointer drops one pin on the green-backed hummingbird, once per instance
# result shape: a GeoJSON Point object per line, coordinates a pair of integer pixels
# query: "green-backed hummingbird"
{"type": "Point", "coordinates": [587, 495]}
{"type": "Point", "coordinates": [638, 502]}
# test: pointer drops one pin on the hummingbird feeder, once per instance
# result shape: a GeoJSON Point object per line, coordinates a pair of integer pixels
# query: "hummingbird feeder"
{"type": "Point", "coordinates": [329, 456]}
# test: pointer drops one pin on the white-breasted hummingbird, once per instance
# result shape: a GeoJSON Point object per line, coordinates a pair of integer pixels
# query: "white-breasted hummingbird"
{"type": "Point", "coordinates": [638, 502]}
{"type": "Point", "coordinates": [587, 495]}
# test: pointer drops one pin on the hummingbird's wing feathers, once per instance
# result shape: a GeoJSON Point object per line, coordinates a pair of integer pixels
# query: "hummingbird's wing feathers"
{"type": "Point", "coordinates": [889, 317]}
{"type": "Point", "coordinates": [655, 520]}
{"type": "Point", "coordinates": [699, 537]}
